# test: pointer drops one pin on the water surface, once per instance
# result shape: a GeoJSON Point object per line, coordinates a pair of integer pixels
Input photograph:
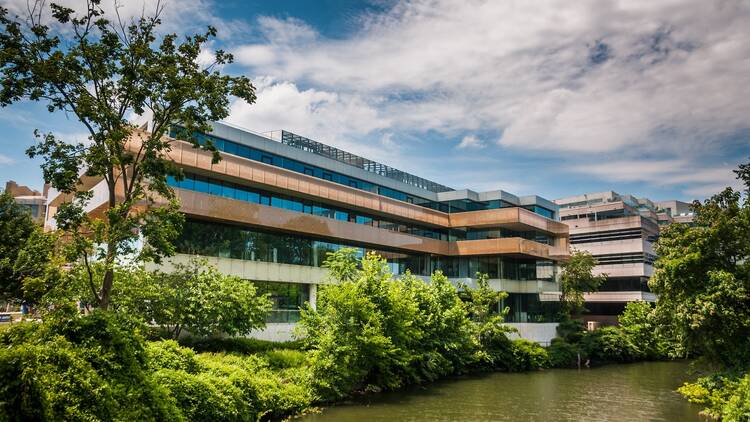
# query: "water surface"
{"type": "Point", "coordinates": [629, 392]}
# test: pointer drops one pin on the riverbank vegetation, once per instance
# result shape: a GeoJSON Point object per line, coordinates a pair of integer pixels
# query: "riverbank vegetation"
{"type": "Point", "coordinates": [703, 280]}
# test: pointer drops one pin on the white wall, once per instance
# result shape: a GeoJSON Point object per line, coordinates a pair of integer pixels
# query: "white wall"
{"type": "Point", "coordinates": [275, 331]}
{"type": "Point", "coordinates": [540, 332]}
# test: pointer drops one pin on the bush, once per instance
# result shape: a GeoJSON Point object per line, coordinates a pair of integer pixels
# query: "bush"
{"type": "Point", "coordinates": [267, 393]}
{"type": "Point", "coordinates": [528, 355]}
{"type": "Point", "coordinates": [168, 354]}
{"type": "Point", "coordinates": [563, 354]}
{"type": "Point", "coordinates": [243, 345]}
{"type": "Point", "coordinates": [725, 396]}
{"type": "Point", "coordinates": [610, 344]}
{"type": "Point", "coordinates": [204, 396]}
{"type": "Point", "coordinates": [79, 367]}
{"type": "Point", "coordinates": [281, 358]}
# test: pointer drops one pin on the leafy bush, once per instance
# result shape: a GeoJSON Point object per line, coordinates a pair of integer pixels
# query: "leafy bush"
{"type": "Point", "coordinates": [168, 354]}
{"type": "Point", "coordinates": [563, 354]}
{"type": "Point", "coordinates": [195, 297]}
{"type": "Point", "coordinates": [267, 393]}
{"type": "Point", "coordinates": [373, 331]}
{"type": "Point", "coordinates": [244, 345]}
{"type": "Point", "coordinates": [79, 367]}
{"type": "Point", "coordinates": [204, 396]}
{"type": "Point", "coordinates": [284, 358]}
{"type": "Point", "coordinates": [726, 396]}
{"type": "Point", "coordinates": [528, 355]}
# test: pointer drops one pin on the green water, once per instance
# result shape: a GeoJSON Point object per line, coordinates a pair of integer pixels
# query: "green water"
{"type": "Point", "coordinates": [632, 392]}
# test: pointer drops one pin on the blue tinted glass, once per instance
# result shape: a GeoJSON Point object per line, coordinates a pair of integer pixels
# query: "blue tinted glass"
{"type": "Point", "coordinates": [277, 202]}
{"type": "Point", "coordinates": [230, 147]}
{"type": "Point", "coordinates": [188, 183]}
{"type": "Point", "coordinates": [240, 194]}
{"type": "Point", "coordinates": [265, 200]}
{"type": "Point", "coordinates": [214, 188]}
{"type": "Point", "coordinates": [171, 181]}
{"type": "Point", "coordinates": [228, 190]}
{"type": "Point", "coordinates": [266, 159]}
{"type": "Point", "coordinates": [201, 184]}
{"type": "Point", "coordinates": [253, 197]}
{"type": "Point", "coordinates": [340, 215]}
{"type": "Point", "coordinates": [243, 151]}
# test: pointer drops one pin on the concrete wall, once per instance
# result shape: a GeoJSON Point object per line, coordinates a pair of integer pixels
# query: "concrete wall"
{"type": "Point", "coordinates": [542, 333]}
{"type": "Point", "coordinates": [275, 331]}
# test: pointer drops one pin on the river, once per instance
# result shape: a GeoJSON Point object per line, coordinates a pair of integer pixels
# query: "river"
{"type": "Point", "coordinates": [628, 392]}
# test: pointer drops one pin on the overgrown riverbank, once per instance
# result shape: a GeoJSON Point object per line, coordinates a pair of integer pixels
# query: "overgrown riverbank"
{"type": "Point", "coordinates": [371, 332]}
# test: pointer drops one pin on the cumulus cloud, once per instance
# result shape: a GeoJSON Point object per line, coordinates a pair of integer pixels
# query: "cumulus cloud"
{"type": "Point", "coordinates": [178, 16]}
{"type": "Point", "coordinates": [470, 142]}
{"type": "Point", "coordinates": [4, 159]}
{"type": "Point", "coordinates": [638, 80]}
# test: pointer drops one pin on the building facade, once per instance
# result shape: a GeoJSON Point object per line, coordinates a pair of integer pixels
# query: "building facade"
{"type": "Point", "coordinates": [34, 201]}
{"type": "Point", "coordinates": [275, 204]}
{"type": "Point", "coordinates": [619, 231]}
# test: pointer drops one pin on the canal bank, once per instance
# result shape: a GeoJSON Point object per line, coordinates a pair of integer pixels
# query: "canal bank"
{"type": "Point", "coordinates": [626, 392]}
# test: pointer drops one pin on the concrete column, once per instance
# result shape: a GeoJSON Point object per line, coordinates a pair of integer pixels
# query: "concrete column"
{"type": "Point", "coordinates": [314, 296]}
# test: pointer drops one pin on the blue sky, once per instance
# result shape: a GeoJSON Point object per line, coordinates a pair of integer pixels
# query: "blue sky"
{"type": "Point", "coordinates": [553, 98]}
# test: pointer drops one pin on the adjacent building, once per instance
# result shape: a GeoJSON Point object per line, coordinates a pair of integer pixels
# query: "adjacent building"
{"type": "Point", "coordinates": [619, 231]}
{"type": "Point", "coordinates": [272, 208]}
{"type": "Point", "coordinates": [34, 201]}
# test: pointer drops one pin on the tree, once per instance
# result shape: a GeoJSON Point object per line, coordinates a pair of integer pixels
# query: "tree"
{"type": "Point", "coordinates": [101, 71]}
{"type": "Point", "coordinates": [576, 279]}
{"type": "Point", "coordinates": [702, 278]}
{"type": "Point", "coordinates": [16, 226]}
{"type": "Point", "coordinates": [195, 297]}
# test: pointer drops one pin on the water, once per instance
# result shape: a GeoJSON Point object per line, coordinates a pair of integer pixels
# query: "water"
{"type": "Point", "coordinates": [632, 392]}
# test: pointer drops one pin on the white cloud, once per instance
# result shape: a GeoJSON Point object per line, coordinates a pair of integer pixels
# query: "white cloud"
{"type": "Point", "coordinates": [581, 80]}
{"type": "Point", "coordinates": [178, 16]}
{"type": "Point", "coordinates": [316, 114]}
{"type": "Point", "coordinates": [5, 160]}
{"type": "Point", "coordinates": [470, 142]}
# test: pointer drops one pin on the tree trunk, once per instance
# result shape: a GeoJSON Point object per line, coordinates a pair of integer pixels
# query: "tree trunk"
{"type": "Point", "coordinates": [106, 289]}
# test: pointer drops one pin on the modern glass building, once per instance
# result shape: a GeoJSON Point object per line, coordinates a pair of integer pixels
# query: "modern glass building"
{"type": "Point", "coordinates": [277, 203]}
{"type": "Point", "coordinates": [619, 231]}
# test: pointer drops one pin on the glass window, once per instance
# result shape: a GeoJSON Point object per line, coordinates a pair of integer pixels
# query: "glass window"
{"type": "Point", "coordinates": [201, 184]}
{"type": "Point", "coordinates": [309, 171]}
{"type": "Point", "coordinates": [327, 176]}
{"type": "Point", "coordinates": [230, 147]}
{"type": "Point", "coordinates": [214, 188]}
{"type": "Point", "coordinates": [266, 159]}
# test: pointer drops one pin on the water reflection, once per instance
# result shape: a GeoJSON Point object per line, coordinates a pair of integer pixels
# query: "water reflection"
{"type": "Point", "coordinates": [634, 392]}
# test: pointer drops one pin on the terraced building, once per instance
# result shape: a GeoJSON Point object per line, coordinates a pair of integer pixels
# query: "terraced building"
{"type": "Point", "coordinates": [276, 203]}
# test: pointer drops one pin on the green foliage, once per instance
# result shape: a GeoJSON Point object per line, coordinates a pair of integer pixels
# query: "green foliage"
{"type": "Point", "coordinates": [702, 278]}
{"type": "Point", "coordinates": [79, 368]}
{"type": "Point", "coordinates": [242, 345]}
{"type": "Point", "coordinates": [372, 331]}
{"type": "Point", "coordinates": [101, 72]}
{"type": "Point", "coordinates": [204, 396]}
{"type": "Point", "coordinates": [168, 354]}
{"type": "Point", "coordinates": [726, 396]}
{"type": "Point", "coordinates": [284, 358]}
{"type": "Point", "coordinates": [196, 297]}
{"type": "Point", "coordinates": [576, 279]}
{"type": "Point", "coordinates": [528, 356]}
{"type": "Point", "coordinates": [563, 354]}
{"type": "Point", "coordinates": [269, 394]}
{"type": "Point", "coordinates": [16, 226]}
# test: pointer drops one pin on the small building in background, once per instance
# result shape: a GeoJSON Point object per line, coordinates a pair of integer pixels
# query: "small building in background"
{"type": "Point", "coordinates": [32, 199]}
{"type": "Point", "coordinates": [620, 232]}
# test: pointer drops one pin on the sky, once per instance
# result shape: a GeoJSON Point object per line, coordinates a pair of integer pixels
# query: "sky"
{"type": "Point", "coordinates": [553, 98]}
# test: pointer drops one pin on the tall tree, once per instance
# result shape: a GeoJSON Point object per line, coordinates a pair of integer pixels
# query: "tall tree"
{"type": "Point", "coordinates": [576, 279]}
{"type": "Point", "coordinates": [16, 226]}
{"type": "Point", "coordinates": [102, 70]}
{"type": "Point", "coordinates": [702, 277]}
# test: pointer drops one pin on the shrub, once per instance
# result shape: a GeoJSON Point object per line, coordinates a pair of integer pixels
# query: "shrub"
{"type": "Point", "coordinates": [243, 345]}
{"type": "Point", "coordinates": [495, 348]}
{"type": "Point", "coordinates": [79, 367]}
{"type": "Point", "coordinates": [284, 358]}
{"type": "Point", "coordinates": [267, 393]}
{"type": "Point", "coordinates": [725, 396]}
{"type": "Point", "coordinates": [563, 354]}
{"type": "Point", "coordinates": [737, 407]}
{"type": "Point", "coordinates": [528, 355]}
{"type": "Point", "coordinates": [204, 396]}
{"type": "Point", "coordinates": [168, 354]}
